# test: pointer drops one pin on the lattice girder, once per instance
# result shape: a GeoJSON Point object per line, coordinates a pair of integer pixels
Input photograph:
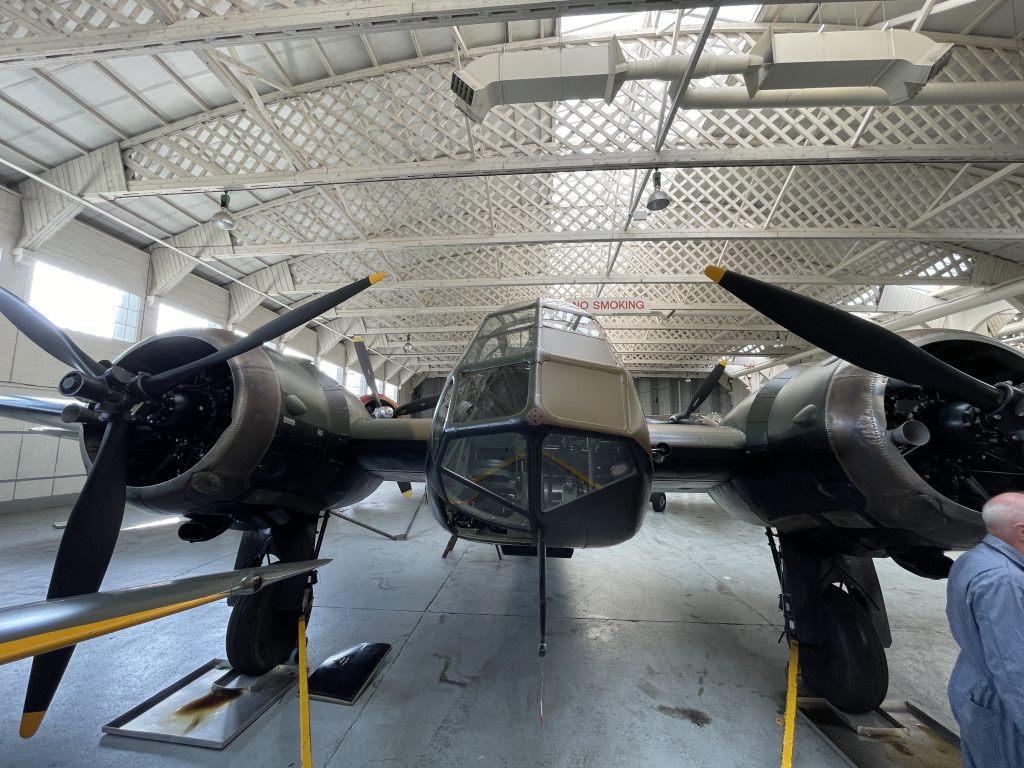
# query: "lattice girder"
{"type": "Point", "coordinates": [354, 122]}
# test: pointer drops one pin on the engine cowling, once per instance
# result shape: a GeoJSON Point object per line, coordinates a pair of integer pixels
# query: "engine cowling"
{"type": "Point", "coordinates": [252, 438]}
{"type": "Point", "coordinates": [822, 457]}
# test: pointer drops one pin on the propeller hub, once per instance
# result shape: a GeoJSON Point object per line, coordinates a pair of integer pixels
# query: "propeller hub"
{"type": "Point", "coordinates": [92, 389]}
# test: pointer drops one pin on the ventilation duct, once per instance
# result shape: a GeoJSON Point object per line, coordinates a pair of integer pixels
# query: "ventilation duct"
{"type": "Point", "coordinates": [561, 74]}
{"type": "Point", "coordinates": [897, 61]}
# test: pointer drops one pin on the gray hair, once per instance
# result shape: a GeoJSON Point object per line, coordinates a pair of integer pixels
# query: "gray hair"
{"type": "Point", "coordinates": [1003, 511]}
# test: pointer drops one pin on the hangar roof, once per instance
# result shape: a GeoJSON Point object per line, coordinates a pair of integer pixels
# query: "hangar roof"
{"type": "Point", "coordinates": [334, 130]}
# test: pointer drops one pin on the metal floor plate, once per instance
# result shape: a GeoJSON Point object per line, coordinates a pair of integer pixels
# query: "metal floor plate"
{"type": "Point", "coordinates": [207, 708]}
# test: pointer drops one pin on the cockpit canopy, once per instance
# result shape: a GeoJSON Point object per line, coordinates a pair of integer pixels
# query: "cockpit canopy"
{"type": "Point", "coordinates": [547, 360]}
{"type": "Point", "coordinates": [538, 425]}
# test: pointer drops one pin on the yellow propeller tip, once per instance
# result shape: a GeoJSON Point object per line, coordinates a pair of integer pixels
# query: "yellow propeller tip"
{"type": "Point", "coordinates": [376, 277]}
{"type": "Point", "coordinates": [716, 273]}
{"type": "Point", "coordinates": [723, 361]}
{"type": "Point", "coordinates": [407, 494]}
{"type": "Point", "coordinates": [357, 339]}
{"type": "Point", "coordinates": [30, 722]}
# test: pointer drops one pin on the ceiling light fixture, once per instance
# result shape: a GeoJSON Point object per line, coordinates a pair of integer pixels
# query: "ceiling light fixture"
{"type": "Point", "coordinates": [408, 344]}
{"type": "Point", "coordinates": [778, 340]}
{"type": "Point", "coordinates": [223, 219]}
{"type": "Point", "coordinates": [658, 200]}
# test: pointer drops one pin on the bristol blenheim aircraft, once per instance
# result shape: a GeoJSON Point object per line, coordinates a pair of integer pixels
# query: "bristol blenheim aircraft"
{"type": "Point", "coordinates": [887, 449]}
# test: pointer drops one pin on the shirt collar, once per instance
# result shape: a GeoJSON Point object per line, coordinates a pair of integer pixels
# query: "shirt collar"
{"type": "Point", "coordinates": [998, 544]}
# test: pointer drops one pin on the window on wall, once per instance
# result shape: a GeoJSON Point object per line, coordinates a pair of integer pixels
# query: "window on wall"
{"type": "Point", "coordinates": [170, 318]}
{"type": "Point", "coordinates": [290, 352]}
{"type": "Point", "coordinates": [331, 370]}
{"type": "Point", "coordinates": [80, 304]}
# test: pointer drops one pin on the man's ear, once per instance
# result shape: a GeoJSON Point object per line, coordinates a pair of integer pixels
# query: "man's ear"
{"type": "Point", "coordinates": [1018, 531]}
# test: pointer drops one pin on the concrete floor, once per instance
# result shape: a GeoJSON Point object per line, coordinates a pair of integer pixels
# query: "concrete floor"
{"type": "Point", "coordinates": [644, 639]}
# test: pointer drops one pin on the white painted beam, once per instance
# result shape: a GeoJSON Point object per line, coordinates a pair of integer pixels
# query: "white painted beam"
{"type": "Point", "coordinates": [436, 347]}
{"type": "Point", "coordinates": [727, 157]}
{"type": "Point", "coordinates": [385, 244]}
{"type": "Point", "coordinates": [611, 325]}
{"type": "Point", "coordinates": [702, 309]}
{"type": "Point", "coordinates": [632, 279]}
{"type": "Point", "coordinates": [917, 17]}
{"type": "Point", "coordinates": [327, 20]}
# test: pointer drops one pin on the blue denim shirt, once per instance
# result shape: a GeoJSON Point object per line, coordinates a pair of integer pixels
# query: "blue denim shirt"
{"type": "Point", "coordinates": [985, 608]}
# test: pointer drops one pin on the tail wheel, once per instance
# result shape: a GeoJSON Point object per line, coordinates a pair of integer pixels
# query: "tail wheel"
{"type": "Point", "coordinates": [659, 502]}
{"type": "Point", "coordinates": [847, 665]}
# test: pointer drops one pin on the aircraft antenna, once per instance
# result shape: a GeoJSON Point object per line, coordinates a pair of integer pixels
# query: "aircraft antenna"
{"type": "Point", "coordinates": [542, 649]}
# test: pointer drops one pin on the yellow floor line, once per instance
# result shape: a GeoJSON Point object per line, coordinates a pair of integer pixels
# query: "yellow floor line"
{"type": "Point", "coordinates": [790, 722]}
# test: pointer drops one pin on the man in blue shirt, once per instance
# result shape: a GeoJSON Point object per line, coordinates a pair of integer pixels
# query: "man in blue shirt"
{"type": "Point", "coordinates": [985, 608]}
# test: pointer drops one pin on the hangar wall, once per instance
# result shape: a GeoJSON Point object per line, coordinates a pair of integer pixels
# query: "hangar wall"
{"type": "Point", "coordinates": [37, 469]}
{"type": "Point", "coordinates": [662, 396]}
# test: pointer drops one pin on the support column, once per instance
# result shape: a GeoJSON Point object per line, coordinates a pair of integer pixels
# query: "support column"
{"type": "Point", "coordinates": [242, 301]}
{"type": "Point", "coordinates": [45, 212]}
{"type": "Point", "coordinates": [167, 268]}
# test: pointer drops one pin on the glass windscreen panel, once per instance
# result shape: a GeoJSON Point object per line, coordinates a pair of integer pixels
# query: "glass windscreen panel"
{"type": "Point", "coordinates": [575, 465]}
{"type": "Point", "coordinates": [486, 476]}
{"type": "Point", "coordinates": [491, 394]}
{"type": "Point", "coordinates": [440, 414]}
{"type": "Point", "coordinates": [567, 320]}
{"type": "Point", "coordinates": [503, 335]}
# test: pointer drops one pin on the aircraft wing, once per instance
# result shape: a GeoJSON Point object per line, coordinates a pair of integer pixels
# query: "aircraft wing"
{"type": "Point", "coordinates": [28, 630]}
{"type": "Point", "coordinates": [687, 457]}
{"type": "Point", "coordinates": [694, 457]}
{"type": "Point", "coordinates": [391, 449]}
{"type": "Point", "coordinates": [38, 410]}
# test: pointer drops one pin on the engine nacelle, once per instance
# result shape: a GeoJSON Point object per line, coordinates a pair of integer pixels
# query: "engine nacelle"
{"type": "Point", "coordinates": [876, 465]}
{"type": "Point", "coordinates": [259, 436]}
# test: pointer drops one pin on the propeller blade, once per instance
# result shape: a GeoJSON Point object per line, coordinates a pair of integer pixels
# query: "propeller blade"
{"type": "Point", "coordinates": [704, 389]}
{"type": "Point", "coordinates": [416, 406]}
{"type": "Point", "coordinates": [367, 368]}
{"type": "Point", "coordinates": [82, 559]}
{"type": "Point", "coordinates": [405, 488]}
{"type": "Point", "coordinates": [35, 628]}
{"type": "Point", "coordinates": [856, 340]}
{"type": "Point", "coordinates": [46, 335]}
{"type": "Point", "coordinates": [158, 384]}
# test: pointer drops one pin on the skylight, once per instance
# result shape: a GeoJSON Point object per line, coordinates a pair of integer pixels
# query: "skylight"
{"type": "Point", "coordinates": [597, 24]}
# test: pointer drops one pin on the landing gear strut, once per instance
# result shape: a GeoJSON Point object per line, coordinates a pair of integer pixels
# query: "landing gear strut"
{"type": "Point", "coordinates": [262, 629]}
{"type": "Point", "coordinates": [834, 609]}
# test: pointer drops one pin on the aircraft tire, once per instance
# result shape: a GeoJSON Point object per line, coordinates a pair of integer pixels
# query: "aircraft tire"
{"type": "Point", "coordinates": [847, 666]}
{"type": "Point", "coordinates": [259, 636]}
{"type": "Point", "coordinates": [659, 502]}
